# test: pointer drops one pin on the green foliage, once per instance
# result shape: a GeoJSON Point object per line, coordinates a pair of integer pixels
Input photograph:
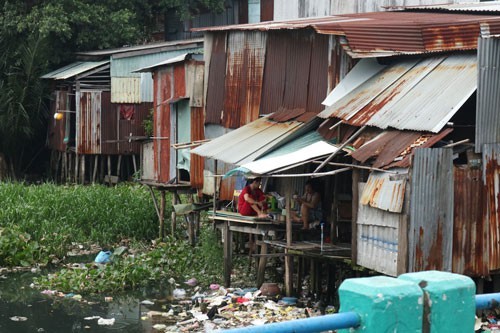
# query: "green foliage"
{"type": "Point", "coordinates": [147, 123]}
{"type": "Point", "coordinates": [39, 221]}
{"type": "Point", "coordinates": [171, 259]}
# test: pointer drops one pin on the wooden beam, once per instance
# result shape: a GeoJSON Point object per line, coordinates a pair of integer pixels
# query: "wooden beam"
{"type": "Point", "coordinates": [288, 259]}
{"type": "Point", "coordinates": [261, 271]}
{"type": "Point", "coordinates": [162, 215]}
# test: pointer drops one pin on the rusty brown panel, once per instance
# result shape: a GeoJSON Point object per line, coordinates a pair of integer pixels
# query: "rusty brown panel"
{"type": "Point", "coordinates": [283, 114]}
{"type": "Point", "coordinates": [297, 70]}
{"type": "Point", "coordinates": [324, 128]}
{"type": "Point", "coordinates": [273, 85]}
{"type": "Point", "coordinates": [163, 125]}
{"type": "Point", "coordinates": [462, 36]}
{"type": "Point", "coordinates": [179, 80]}
{"type": "Point", "coordinates": [197, 162]}
{"type": "Point", "coordinates": [216, 78]}
{"type": "Point", "coordinates": [155, 118]}
{"type": "Point", "coordinates": [318, 74]}
{"type": "Point", "coordinates": [228, 184]}
{"type": "Point", "coordinates": [109, 125]}
{"type": "Point", "coordinates": [306, 116]}
{"type": "Point", "coordinates": [491, 169]}
{"type": "Point", "coordinates": [266, 10]}
{"type": "Point", "coordinates": [57, 128]}
{"type": "Point", "coordinates": [470, 234]}
{"type": "Point", "coordinates": [133, 127]}
{"type": "Point", "coordinates": [82, 144]}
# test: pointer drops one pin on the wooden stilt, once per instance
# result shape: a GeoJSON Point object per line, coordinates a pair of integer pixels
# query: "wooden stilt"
{"type": "Point", "coordinates": [70, 167]}
{"type": "Point", "coordinates": [288, 258]}
{"type": "Point", "coordinates": [57, 165]}
{"type": "Point", "coordinates": [354, 225]}
{"type": "Point", "coordinates": [101, 168]}
{"type": "Point", "coordinates": [162, 214]}
{"type": "Point", "coordinates": [77, 167]}
{"type": "Point", "coordinates": [134, 163]}
{"type": "Point", "coordinates": [227, 236]}
{"type": "Point", "coordinates": [109, 170]}
{"type": "Point", "coordinates": [63, 167]}
{"type": "Point", "coordinates": [261, 271]}
{"type": "Point", "coordinates": [174, 215]}
{"type": "Point", "coordinates": [119, 166]}
{"type": "Point", "coordinates": [96, 165]}
{"type": "Point", "coordinates": [82, 170]}
{"type": "Point", "coordinates": [300, 274]}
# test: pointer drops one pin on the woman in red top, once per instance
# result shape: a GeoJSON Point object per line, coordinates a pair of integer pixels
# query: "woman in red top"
{"type": "Point", "coordinates": [252, 200]}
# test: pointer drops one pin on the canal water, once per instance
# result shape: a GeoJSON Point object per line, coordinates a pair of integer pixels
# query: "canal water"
{"type": "Point", "coordinates": [52, 314]}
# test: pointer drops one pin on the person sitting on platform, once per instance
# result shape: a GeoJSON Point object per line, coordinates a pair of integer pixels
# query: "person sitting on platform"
{"type": "Point", "coordinates": [310, 206]}
{"type": "Point", "coordinates": [252, 201]}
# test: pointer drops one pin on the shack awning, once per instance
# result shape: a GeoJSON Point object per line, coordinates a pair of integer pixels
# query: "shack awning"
{"type": "Point", "coordinates": [252, 141]}
{"type": "Point", "coordinates": [268, 165]}
{"type": "Point", "coordinates": [73, 69]}
{"type": "Point", "coordinates": [413, 94]}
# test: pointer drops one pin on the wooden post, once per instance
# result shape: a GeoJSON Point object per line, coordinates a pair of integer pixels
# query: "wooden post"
{"type": "Point", "coordinates": [354, 225]}
{"type": "Point", "coordinates": [334, 212]}
{"type": "Point", "coordinates": [134, 163]}
{"type": "Point", "coordinates": [57, 165]}
{"type": "Point", "coordinates": [77, 167]}
{"type": "Point", "coordinates": [109, 170]}
{"type": "Point", "coordinates": [174, 215]}
{"type": "Point", "coordinates": [162, 214]}
{"type": "Point", "coordinates": [82, 169]}
{"type": "Point", "coordinates": [402, 263]}
{"type": "Point", "coordinates": [70, 167]}
{"type": "Point", "coordinates": [261, 272]}
{"type": "Point", "coordinates": [118, 166]}
{"type": "Point", "coordinates": [227, 236]}
{"type": "Point", "coordinates": [96, 165]}
{"type": "Point", "coordinates": [288, 258]}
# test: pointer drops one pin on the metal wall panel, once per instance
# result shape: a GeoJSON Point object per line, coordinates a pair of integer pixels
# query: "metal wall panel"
{"type": "Point", "coordinates": [125, 90]}
{"type": "Point", "coordinates": [216, 77]}
{"type": "Point", "coordinates": [243, 83]}
{"type": "Point", "coordinates": [88, 120]}
{"type": "Point", "coordinates": [132, 127]}
{"type": "Point", "coordinates": [488, 93]}
{"type": "Point", "coordinates": [292, 9]}
{"type": "Point", "coordinates": [253, 11]}
{"type": "Point", "coordinates": [383, 192]}
{"type": "Point", "coordinates": [163, 87]}
{"type": "Point", "coordinates": [491, 181]}
{"type": "Point", "coordinates": [197, 133]}
{"type": "Point", "coordinates": [378, 238]}
{"type": "Point", "coordinates": [110, 125]}
{"type": "Point", "coordinates": [431, 210]}
{"type": "Point", "coordinates": [57, 129]}
{"type": "Point", "coordinates": [147, 162]}
{"type": "Point", "coordinates": [470, 234]}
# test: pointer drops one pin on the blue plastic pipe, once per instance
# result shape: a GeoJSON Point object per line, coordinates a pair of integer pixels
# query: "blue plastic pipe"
{"type": "Point", "coordinates": [308, 325]}
{"type": "Point", "coordinates": [487, 301]}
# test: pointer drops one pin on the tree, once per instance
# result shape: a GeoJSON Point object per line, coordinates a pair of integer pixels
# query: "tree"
{"type": "Point", "coordinates": [37, 35]}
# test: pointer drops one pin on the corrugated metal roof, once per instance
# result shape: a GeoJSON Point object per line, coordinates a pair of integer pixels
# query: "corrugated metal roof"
{"type": "Point", "coordinates": [488, 98]}
{"type": "Point", "coordinates": [489, 6]}
{"type": "Point", "coordinates": [419, 95]}
{"type": "Point", "coordinates": [269, 164]}
{"type": "Point", "coordinates": [394, 148]}
{"type": "Point", "coordinates": [170, 61]}
{"type": "Point", "coordinates": [73, 69]}
{"type": "Point", "coordinates": [292, 9]}
{"type": "Point", "coordinates": [249, 142]}
{"type": "Point", "coordinates": [392, 33]}
{"type": "Point", "coordinates": [491, 179]}
{"type": "Point", "coordinates": [430, 236]}
{"type": "Point", "coordinates": [470, 232]}
{"type": "Point", "coordinates": [138, 49]}
{"type": "Point", "coordinates": [377, 238]}
{"type": "Point", "coordinates": [384, 192]}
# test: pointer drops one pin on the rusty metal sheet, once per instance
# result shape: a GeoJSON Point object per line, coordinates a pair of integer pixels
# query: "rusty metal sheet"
{"type": "Point", "coordinates": [283, 114]}
{"type": "Point", "coordinates": [147, 161]}
{"type": "Point", "coordinates": [244, 71]}
{"type": "Point", "coordinates": [197, 133]}
{"type": "Point", "coordinates": [491, 179]}
{"type": "Point", "coordinates": [410, 95]}
{"type": "Point", "coordinates": [132, 127]}
{"type": "Point", "coordinates": [470, 231]}
{"type": "Point", "coordinates": [216, 78]}
{"type": "Point", "coordinates": [488, 98]}
{"type": "Point", "coordinates": [470, 6]}
{"type": "Point", "coordinates": [195, 73]}
{"type": "Point", "coordinates": [58, 129]}
{"type": "Point", "coordinates": [377, 238]}
{"type": "Point", "coordinates": [430, 238]}
{"type": "Point", "coordinates": [163, 83]}
{"type": "Point", "coordinates": [385, 191]}
{"type": "Point", "coordinates": [110, 125]}
{"type": "Point", "coordinates": [88, 120]}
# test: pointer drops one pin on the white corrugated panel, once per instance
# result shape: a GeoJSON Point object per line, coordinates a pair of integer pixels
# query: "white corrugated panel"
{"type": "Point", "coordinates": [417, 95]}
{"type": "Point", "coordinates": [147, 163]}
{"type": "Point", "coordinates": [385, 191]}
{"type": "Point", "coordinates": [125, 89]}
{"type": "Point", "coordinates": [312, 151]}
{"type": "Point", "coordinates": [377, 238]}
{"type": "Point", "coordinates": [364, 6]}
{"type": "Point", "coordinates": [292, 9]}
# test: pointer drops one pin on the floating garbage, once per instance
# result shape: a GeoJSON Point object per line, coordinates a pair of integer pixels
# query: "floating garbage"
{"type": "Point", "coordinates": [179, 293]}
{"type": "Point", "coordinates": [191, 282]}
{"type": "Point", "coordinates": [103, 257]}
{"type": "Point", "coordinates": [18, 318]}
{"type": "Point", "coordinates": [106, 322]}
{"type": "Point", "coordinates": [147, 302]}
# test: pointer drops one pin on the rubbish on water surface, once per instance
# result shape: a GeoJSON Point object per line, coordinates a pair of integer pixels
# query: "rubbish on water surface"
{"type": "Point", "coordinates": [92, 318]}
{"type": "Point", "coordinates": [147, 302]}
{"type": "Point", "coordinates": [106, 322]}
{"type": "Point", "coordinates": [179, 293]}
{"type": "Point", "coordinates": [18, 318]}
{"type": "Point", "coordinates": [214, 286]}
{"type": "Point", "coordinates": [191, 282]}
{"type": "Point", "coordinates": [108, 299]}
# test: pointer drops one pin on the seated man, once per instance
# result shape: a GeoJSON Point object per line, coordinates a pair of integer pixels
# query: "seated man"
{"type": "Point", "coordinates": [310, 206]}
{"type": "Point", "coordinates": [252, 201]}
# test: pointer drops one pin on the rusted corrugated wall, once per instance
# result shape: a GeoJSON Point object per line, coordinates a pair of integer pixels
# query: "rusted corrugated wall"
{"type": "Point", "coordinates": [197, 133]}
{"type": "Point", "coordinates": [131, 127]}
{"type": "Point", "coordinates": [491, 180]}
{"type": "Point", "coordinates": [88, 122]}
{"type": "Point", "coordinates": [163, 82]}
{"type": "Point", "coordinates": [57, 128]}
{"type": "Point", "coordinates": [431, 211]}
{"type": "Point", "coordinates": [216, 78]}
{"type": "Point", "coordinates": [470, 234]}
{"type": "Point", "coordinates": [109, 125]}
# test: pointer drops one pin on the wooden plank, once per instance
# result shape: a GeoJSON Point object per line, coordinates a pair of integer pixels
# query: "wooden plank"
{"type": "Point", "coordinates": [288, 259]}
{"type": "Point", "coordinates": [251, 230]}
{"type": "Point", "coordinates": [227, 236]}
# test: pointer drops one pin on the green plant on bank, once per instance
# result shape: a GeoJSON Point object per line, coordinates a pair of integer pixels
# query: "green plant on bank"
{"type": "Point", "coordinates": [38, 222]}
{"type": "Point", "coordinates": [147, 124]}
{"type": "Point", "coordinates": [170, 259]}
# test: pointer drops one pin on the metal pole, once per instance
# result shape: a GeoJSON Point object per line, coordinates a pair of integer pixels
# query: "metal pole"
{"type": "Point", "coordinates": [307, 325]}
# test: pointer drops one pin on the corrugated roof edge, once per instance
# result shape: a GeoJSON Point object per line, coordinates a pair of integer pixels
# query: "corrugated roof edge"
{"type": "Point", "coordinates": [146, 48]}
{"type": "Point", "coordinates": [58, 74]}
